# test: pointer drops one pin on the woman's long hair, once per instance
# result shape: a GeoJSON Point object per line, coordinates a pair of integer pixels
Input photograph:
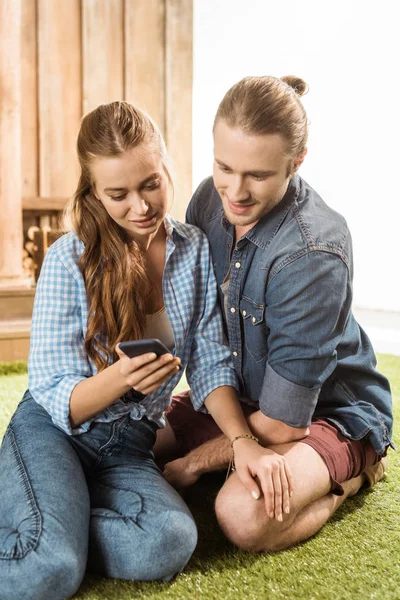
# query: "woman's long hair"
{"type": "Point", "coordinates": [112, 264]}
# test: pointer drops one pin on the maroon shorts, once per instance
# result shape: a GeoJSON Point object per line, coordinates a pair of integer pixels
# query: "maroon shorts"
{"type": "Point", "coordinates": [343, 457]}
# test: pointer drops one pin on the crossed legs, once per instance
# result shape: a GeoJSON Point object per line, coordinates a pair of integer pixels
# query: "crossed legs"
{"type": "Point", "coordinates": [245, 522]}
{"type": "Point", "coordinates": [243, 519]}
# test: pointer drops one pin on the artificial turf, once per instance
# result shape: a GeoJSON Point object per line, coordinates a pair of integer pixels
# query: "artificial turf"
{"type": "Point", "coordinates": [356, 556]}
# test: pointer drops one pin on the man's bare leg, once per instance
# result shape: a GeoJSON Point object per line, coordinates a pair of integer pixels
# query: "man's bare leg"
{"type": "Point", "coordinates": [245, 522]}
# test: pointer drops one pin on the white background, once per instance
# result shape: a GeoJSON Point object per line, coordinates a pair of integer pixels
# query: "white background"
{"type": "Point", "coordinates": [348, 52]}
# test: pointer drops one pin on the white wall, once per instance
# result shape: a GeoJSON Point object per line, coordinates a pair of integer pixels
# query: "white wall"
{"type": "Point", "coordinates": [348, 52]}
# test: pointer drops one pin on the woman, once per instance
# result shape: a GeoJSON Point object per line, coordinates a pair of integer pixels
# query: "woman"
{"type": "Point", "coordinates": [78, 478]}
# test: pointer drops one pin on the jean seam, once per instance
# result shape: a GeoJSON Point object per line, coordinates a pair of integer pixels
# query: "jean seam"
{"type": "Point", "coordinates": [254, 357]}
{"type": "Point", "coordinates": [30, 497]}
{"type": "Point", "coordinates": [118, 429]}
{"type": "Point", "coordinates": [102, 451]}
{"type": "Point", "coordinates": [120, 516]}
{"type": "Point", "coordinates": [346, 433]}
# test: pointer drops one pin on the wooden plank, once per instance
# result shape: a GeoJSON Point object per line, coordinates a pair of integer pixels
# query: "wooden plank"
{"type": "Point", "coordinates": [145, 56]}
{"type": "Point", "coordinates": [11, 242]}
{"type": "Point", "coordinates": [16, 303]}
{"type": "Point", "coordinates": [102, 44]}
{"type": "Point", "coordinates": [29, 107]}
{"type": "Point", "coordinates": [15, 328]}
{"type": "Point", "coordinates": [179, 82]}
{"type": "Point", "coordinates": [36, 203]}
{"type": "Point", "coordinates": [15, 346]}
{"type": "Point", "coordinates": [60, 94]}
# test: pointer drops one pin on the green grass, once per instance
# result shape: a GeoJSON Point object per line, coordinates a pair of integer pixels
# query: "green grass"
{"type": "Point", "coordinates": [13, 368]}
{"type": "Point", "coordinates": [356, 556]}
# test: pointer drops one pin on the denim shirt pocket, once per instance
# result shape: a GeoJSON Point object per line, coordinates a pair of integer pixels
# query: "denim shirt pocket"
{"type": "Point", "coordinates": [255, 329]}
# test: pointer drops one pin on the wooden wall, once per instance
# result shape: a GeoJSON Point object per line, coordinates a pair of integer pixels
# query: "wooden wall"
{"type": "Point", "coordinates": [77, 54]}
{"type": "Point", "coordinates": [10, 143]}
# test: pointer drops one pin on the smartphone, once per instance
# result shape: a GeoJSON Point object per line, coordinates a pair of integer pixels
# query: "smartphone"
{"type": "Point", "coordinates": [138, 347]}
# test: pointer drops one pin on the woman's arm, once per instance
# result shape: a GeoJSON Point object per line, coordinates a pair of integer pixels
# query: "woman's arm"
{"type": "Point", "coordinates": [144, 373]}
{"type": "Point", "coordinates": [251, 459]}
{"type": "Point", "coordinates": [60, 375]}
{"type": "Point", "coordinates": [210, 365]}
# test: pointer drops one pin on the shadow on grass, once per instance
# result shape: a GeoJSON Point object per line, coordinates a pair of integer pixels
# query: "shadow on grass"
{"type": "Point", "coordinates": [351, 505]}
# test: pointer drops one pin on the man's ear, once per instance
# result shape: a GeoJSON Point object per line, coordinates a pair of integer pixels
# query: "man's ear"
{"type": "Point", "coordinates": [298, 161]}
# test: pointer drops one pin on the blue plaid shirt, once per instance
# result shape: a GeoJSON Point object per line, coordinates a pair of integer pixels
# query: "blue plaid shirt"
{"type": "Point", "coordinates": [58, 361]}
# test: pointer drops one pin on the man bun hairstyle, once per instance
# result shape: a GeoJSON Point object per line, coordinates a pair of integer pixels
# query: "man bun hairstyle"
{"type": "Point", "coordinates": [268, 105]}
{"type": "Point", "coordinates": [298, 84]}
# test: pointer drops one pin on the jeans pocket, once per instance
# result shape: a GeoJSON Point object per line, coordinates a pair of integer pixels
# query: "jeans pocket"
{"type": "Point", "coordinates": [20, 519]}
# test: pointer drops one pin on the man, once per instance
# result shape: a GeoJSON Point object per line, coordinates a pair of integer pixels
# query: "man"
{"type": "Point", "coordinates": [283, 263]}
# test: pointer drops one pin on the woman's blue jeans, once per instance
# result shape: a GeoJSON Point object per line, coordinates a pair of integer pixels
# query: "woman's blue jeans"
{"type": "Point", "coordinates": [95, 500]}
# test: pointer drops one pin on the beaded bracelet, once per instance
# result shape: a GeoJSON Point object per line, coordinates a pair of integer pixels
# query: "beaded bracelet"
{"type": "Point", "coordinates": [247, 436]}
{"type": "Point", "coordinates": [231, 466]}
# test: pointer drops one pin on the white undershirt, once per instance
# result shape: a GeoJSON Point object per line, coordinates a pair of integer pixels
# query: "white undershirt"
{"type": "Point", "coordinates": [158, 326]}
{"type": "Point", "coordinates": [224, 290]}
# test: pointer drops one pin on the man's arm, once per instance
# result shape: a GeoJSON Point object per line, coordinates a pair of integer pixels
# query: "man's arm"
{"type": "Point", "coordinates": [216, 454]}
{"type": "Point", "coordinates": [271, 432]}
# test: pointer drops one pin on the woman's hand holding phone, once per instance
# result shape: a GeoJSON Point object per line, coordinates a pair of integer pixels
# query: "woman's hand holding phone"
{"type": "Point", "coordinates": [146, 364]}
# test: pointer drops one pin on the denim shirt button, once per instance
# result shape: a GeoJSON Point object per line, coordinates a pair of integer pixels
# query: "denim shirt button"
{"type": "Point", "coordinates": [238, 265]}
{"type": "Point", "coordinates": [233, 309]}
{"type": "Point", "coordinates": [254, 319]}
{"type": "Point", "coordinates": [244, 313]}
{"type": "Point", "coordinates": [234, 353]}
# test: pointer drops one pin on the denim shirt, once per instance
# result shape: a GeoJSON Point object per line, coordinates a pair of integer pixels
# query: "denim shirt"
{"type": "Point", "coordinates": [297, 349]}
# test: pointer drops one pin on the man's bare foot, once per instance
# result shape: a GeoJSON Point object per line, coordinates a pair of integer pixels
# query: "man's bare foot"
{"type": "Point", "coordinates": [367, 479]}
{"type": "Point", "coordinates": [352, 486]}
{"type": "Point", "coordinates": [375, 473]}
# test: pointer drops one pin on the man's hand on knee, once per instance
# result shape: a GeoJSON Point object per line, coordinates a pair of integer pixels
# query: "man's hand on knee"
{"type": "Point", "coordinates": [213, 455]}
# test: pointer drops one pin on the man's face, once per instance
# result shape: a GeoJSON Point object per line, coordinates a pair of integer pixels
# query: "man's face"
{"type": "Point", "coordinates": [251, 173]}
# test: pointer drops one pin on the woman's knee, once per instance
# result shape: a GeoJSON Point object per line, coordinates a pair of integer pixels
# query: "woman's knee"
{"type": "Point", "coordinates": [36, 576]}
{"type": "Point", "coordinates": [152, 548]}
{"type": "Point", "coordinates": [176, 544]}
{"type": "Point", "coordinates": [38, 557]}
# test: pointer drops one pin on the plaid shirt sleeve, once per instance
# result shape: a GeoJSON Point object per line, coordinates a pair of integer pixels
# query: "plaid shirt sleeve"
{"type": "Point", "coordinates": [57, 359]}
{"type": "Point", "coordinates": [209, 365]}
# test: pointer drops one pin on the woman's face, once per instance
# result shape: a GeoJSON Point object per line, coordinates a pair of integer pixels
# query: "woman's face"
{"type": "Point", "coordinates": [133, 188]}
